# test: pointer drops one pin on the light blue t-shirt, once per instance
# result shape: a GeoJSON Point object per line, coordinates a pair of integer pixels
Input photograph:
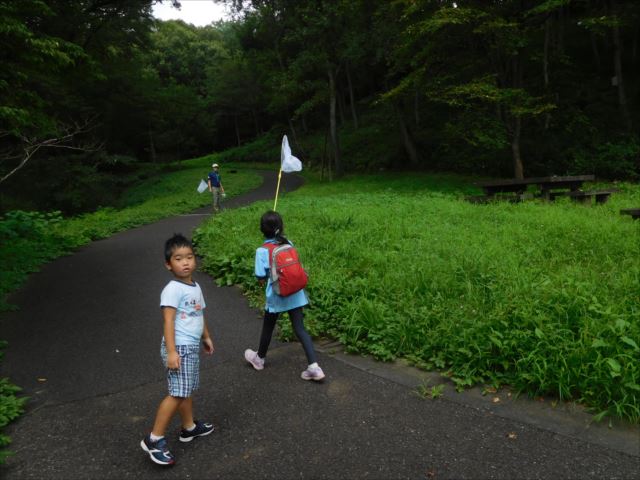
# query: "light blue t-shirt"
{"type": "Point", "coordinates": [276, 303]}
{"type": "Point", "coordinates": [189, 304]}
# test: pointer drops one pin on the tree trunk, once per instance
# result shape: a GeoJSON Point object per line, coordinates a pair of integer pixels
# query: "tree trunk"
{"type": "Point", "coordinates": [256, 122]}
{"type": "Point", "coordinates": [297, 146]}
{"type": "Point", "coordinates": [518, 170]}
{"type": "Point", "coordinates": [407, 138]}
{"type": "Point", "coordinates": [516, 121]}
{"type": "Point", "coordinates": [237, 127]}
{"type": "Point", "coordinates": [617, 60]}
{"type": "Point", "coordinates": [545, 65]}
{"type": "Point", "coordinates": [545, 58]}
{"type": "Point", "coordinates": [634, 48]}
{"type": "Point", "coordinates": [596, 52]}
{"type": "Point", "coordinates": [594, 44]}
{"type": "Point", "coordinates": [294, 134]}
{"type": "Point", "coordinates": [416, 107]}
{"type": "Point", "coordinates": [324, 158]}
{"type": "Point", "coordinates": [561, 16]}
{"type": "Point", "coordinates": [332, 122]}
{"type": "Point", "coordinates": [352, 100]}
{"type": "Point", "coordinates": [152, 147]}
{"type": "Point", "coordinates": [341, 105]}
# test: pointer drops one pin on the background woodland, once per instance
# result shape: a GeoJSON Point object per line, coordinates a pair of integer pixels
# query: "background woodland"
{"type": "Point", "coordinates": [96, 95]}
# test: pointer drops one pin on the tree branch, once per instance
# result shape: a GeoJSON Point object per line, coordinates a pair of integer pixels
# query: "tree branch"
{"type": "Point", "coordinates": [30, 146]}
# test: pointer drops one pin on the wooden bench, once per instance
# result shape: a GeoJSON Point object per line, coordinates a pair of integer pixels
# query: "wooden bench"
{"type": "Point", "coordinates": [482, 199]}
{"type": "Point", "coordinates": [634, 212]}
{"type": "Point", "coordinates": [553, 195]}
{"type": "Point", "coordinates": [601, 196]}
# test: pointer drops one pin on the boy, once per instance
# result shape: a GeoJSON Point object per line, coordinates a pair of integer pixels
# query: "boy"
{"type": "Point", "coordinates": [181, 302]}
{"type": "Point", "coordinates": [214, 180]}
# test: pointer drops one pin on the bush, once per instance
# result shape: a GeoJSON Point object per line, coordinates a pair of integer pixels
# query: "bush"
{"type": "Point", "coordinates": [11, 407]}
{"type": "Point", "coordinates": [617, 159]}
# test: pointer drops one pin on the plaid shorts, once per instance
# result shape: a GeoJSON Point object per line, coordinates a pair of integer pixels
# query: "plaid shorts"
{"type": "Point", "coordinates": [186, 380]}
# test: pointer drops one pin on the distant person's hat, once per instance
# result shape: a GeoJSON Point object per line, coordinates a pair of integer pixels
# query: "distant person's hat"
{"type": "Point", "coordinates": [215, 165]}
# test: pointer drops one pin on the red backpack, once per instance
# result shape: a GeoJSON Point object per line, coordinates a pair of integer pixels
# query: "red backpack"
{"type": "Point", "coordinates": [285, 270]}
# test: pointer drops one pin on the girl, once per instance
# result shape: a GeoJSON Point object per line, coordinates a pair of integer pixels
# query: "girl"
{"type": "Point", "coordinates": [272, 228]}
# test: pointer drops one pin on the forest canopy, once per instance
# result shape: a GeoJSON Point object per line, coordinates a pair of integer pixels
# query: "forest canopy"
{"type": "Point", "coordinates": [91, 90]}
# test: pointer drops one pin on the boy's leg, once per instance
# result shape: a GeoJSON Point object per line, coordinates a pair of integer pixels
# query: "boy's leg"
{"type": "Point", "coordinates": [216, 199]}
{"type": "Point", "coordinates": [167, 409]}
{"type": "Point", "coordinates": [297, 321]}
{"type": "Point", "coordinates": [186, 412]}
{"type": "Point", "coordinates": [192, 428]}
{"type": "Point", "coordinates": [268, 325]}
{"type": "Point", "coordinates": [155, 444]}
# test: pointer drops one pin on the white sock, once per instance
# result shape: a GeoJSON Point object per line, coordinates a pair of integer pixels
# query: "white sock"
{"type": "Point", "coordinates": [314, 365]}
{"type": "Point", "coordinates": [190, 429]}
{"type": "Point", "coordinates": [155, 438]}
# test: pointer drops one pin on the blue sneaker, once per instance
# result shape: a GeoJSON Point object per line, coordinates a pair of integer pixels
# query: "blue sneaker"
{"type": "Point", "coordinates": [200, 430]}
{"type": "Point", "coordinates": [158, 450]}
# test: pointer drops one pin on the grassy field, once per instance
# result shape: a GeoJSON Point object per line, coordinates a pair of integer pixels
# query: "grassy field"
{"type": "Point", "coordinates": [542, 297]}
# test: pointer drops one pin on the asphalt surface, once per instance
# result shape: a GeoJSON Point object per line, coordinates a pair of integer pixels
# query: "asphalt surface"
{"type": "Point", "coordinates": [84, 345]}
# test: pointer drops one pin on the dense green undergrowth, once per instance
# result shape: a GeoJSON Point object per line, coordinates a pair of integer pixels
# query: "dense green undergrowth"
{"type": "Point", "coordinates": [543, 297]}
{"type": "Point", "coordinates": [37, 237]}
{"type": "Point", "coordinates": [29, 239]}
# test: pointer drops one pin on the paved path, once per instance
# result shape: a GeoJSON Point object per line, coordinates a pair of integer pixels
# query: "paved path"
{"type": "Point", "coordinates": [89, 324]}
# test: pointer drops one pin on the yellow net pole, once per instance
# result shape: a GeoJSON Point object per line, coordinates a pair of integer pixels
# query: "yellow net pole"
{"type": "Point", "coordinates": [275, 203]}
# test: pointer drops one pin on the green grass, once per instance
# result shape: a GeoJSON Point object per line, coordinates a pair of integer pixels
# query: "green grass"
{"type": "Point", "coordinates": [542, 297]}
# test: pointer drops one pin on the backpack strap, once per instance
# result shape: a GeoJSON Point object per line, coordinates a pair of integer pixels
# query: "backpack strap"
{"type": "Point", "coordinates": [270, 246]}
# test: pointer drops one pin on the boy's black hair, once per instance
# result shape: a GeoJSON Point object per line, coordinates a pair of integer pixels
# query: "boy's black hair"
{"type": "Point", "coordinates": [177, 241]}
{"type": "Point", "coordinates": [272, 226]}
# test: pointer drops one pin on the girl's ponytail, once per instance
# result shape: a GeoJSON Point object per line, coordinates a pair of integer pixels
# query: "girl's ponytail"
{"type": "Point", "coordinates": [280, 238]}
{"type": "Point", "coordinates": [271, 226]}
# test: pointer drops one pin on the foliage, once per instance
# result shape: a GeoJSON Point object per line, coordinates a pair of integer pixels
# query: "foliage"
{"type": "Point", "coordinates": [265, 149]}
{"type": "Point", "coordinates": [11, 407]}
{"type": "Point", "coordinates": [539, 296]}
{"type": "Point", "coordinates": [611, 159]}
{"type": "Point", "coordinates": [492, 88]}
{"type": "Point", "coordinates": [27, 236]}
{"type": "Point", "coordinates": [430, 391]}
{"type": "Point", "coordinates": [155, 199]}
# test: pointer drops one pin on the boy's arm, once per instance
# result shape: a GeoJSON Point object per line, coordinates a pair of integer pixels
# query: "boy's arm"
{"type": "Point", "coordinates": [209, 183]}
{"type": "Point", "coordinates": [206, 340]}
{"type": "Point", "coordinates": [169, 318]}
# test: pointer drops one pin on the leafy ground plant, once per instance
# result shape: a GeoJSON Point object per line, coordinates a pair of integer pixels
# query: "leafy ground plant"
{"type": "Point", "coordinates": [11, 407]}
{"type": "Point", "coordinates": [430, 391]}
{"type": "Point", "coordinates": [539, 296]}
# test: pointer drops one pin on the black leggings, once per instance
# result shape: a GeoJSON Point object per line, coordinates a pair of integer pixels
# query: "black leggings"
{"type": "Point", "coordinates": [297, 322]}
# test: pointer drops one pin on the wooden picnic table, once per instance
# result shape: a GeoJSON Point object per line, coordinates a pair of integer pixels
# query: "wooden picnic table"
{"type": "Point", "coordinates": [634, 212]}
{"type": "Point", "coordinates": [546, 185]}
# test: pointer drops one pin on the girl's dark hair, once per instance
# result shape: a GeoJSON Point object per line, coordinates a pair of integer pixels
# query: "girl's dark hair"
{"type": "Point", "coordinates": [177, 241]}
{"type": "Point", "coordinates": [271, 226]}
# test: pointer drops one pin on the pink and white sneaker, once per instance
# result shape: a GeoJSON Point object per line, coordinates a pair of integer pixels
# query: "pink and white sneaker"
{"type": "Point", "coordinates": [312, 373]}
{"type": "Point", "coordinates": [252, 357]}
